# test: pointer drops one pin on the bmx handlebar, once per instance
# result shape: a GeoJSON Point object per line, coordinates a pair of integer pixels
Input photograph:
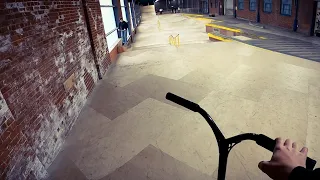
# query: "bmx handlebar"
{"type": "Point", "coordinates": [183, 102]}
{"type": "Point", "coordinates": [260, 139]}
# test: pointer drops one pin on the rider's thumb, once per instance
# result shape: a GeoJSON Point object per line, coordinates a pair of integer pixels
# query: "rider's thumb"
{"type": "Point", "coordinates": [264, 166]}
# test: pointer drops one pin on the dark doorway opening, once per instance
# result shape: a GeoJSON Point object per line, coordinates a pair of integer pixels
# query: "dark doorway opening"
{"type": "Point", "coordinates": [315, 28]}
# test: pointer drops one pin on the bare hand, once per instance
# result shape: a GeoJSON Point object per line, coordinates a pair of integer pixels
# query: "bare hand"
{"type": "Point", "coordinates": [285, 158]}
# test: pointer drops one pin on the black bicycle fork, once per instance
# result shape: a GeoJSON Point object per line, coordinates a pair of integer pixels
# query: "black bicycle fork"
{"type": "Point", "coordinates": [225, 145]}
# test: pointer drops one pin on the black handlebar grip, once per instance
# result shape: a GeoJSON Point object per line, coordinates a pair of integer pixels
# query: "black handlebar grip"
{"type": "Point", "coordinates": [183, 102]}
{"type": "Point", "coordinates": [266, 142]}
{"type": "Point", "coordinates": [269, 144]}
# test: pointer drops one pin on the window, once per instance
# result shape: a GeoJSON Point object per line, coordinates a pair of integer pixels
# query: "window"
{"type": "Point", "coordinates": [106, 2]}
{"type": "Point", "coordinates": [216, 4]}
{"type": "Point", "coordinates": [124, 14]}
{"type": "Point", "coordinates": [131, 17]}
{"type": "Point", "coordinates": [211, 5]}
{"type": "Point", "coordinates": [286, 7]}
{"type": "Point", "coordinates": [109, 23]}
{"type": "Point", "coordinates": [241, 4]}
{"type": "Point", "coordinates": [267, 6]}
{"type": "Point", "coordinates": [252, 5]}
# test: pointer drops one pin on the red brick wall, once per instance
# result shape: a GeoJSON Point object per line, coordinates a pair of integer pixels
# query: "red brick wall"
{"type": "Point", "coordinates": [276, 19]}
{"type": "Point", "coordinates": [42, 44]}
{"type": "Point", "coordinates": [246, 13]}
{"type": "Point", "coordinates": [114, 52]}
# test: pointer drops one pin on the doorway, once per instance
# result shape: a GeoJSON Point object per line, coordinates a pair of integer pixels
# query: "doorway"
{"type": "Point", "coordinates": [228, 8]}
{"type": "Point", "coordinates": [315, 30]}
{"type": "Point", "coordinates": [317, 21]}
{"type": "Point", "coordinates": [204, 7]}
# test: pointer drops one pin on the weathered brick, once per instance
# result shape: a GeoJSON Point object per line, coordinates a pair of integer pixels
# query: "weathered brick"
{"type": "Point", "coordinates": [44, 43]}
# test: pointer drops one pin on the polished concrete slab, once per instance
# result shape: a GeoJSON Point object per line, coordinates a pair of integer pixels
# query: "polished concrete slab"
{"type": "Point", "coordinates": [157, 87]}
{"type": "Point", "coordinates": [64, 168]}
{"type": "Point", "coordinates": [128, 130]}
{"type": "Point", "coordinates": [113, 102]}
{"type": "Point", "coordinates": [152, 163]}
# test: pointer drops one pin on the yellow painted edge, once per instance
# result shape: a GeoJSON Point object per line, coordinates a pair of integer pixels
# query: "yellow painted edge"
{"type": "Point", "coordinates": [218, 38]}
{"type": "Point", "coordinates": [197, 15]}
{"type": "Point", "coordinates": [223, 27]}
{"type": "Point", "coordinates": [261, 37]}
{"type": "Point", "coordinates": [203, 18]}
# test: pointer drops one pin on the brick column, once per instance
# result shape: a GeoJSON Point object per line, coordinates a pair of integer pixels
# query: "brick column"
{"type": "Point", "coordinates": [96, 32]}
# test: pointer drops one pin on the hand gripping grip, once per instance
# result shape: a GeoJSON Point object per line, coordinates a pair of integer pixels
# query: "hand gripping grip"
{"type": "Point", "coordinates": [269, 144]}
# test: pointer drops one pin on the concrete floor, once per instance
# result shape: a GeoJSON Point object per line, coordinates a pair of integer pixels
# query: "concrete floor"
{"type": "Point", "coordinates": [129, 131]}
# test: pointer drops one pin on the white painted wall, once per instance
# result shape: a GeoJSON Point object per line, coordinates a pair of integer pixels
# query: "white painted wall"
{"type": "Point", "coordinates": [106, 2]}
{"type": "Point", "coordinates": [109, 22]}
{"type": "Point", "coordinates": [131, 17]}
